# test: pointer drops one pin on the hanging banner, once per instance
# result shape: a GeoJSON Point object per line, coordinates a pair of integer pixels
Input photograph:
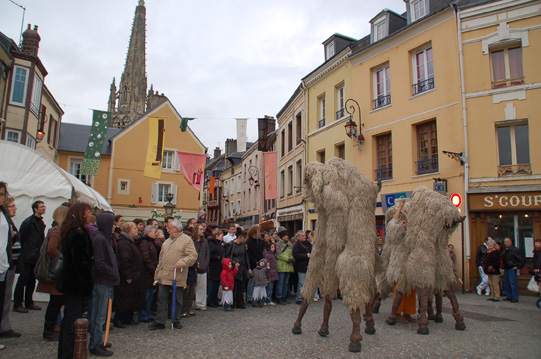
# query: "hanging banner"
{"type": "Point", "coordinates": [184, 123]}
{"type": "Point", "coordinates": [193, 167]}
{"type": "Point", "coordinates": [271, 189]}
{"type": "Point", "coordinates": [212, 183]}
{"type": "Point", "coordinates": [241, 134]}
{"type": "Point", "coordinates": [98, 131]}
{"type": "Point", "coordinates": [262, 131]}
{"type": "Point", "coordinates": [156, 132]}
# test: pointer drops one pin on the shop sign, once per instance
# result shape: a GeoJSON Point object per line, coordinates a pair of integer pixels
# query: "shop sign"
{"type": "Point", "coordinates": [506, 201]}
{"type": "Point", "coordinates": [290, 214]}
{"type": "Point", "coordinates": [388, 200]}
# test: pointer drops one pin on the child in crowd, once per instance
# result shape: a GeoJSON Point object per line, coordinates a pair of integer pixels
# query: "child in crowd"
{"type": "Point", "coordinates": [228, 282]}
{"type": "Point", "coordinates": [268, 253]}
{"type": "Point", "coordinates": [260, 276]}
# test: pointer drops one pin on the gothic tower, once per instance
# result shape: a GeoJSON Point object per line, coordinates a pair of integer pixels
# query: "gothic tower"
{"type": "Point", "coordinates": [129, 102]}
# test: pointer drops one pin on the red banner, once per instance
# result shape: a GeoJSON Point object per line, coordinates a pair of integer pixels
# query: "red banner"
{"type": "Point", "coordinates": [271, 189]}
{"type": "Point", "coordinates": [193, 168]}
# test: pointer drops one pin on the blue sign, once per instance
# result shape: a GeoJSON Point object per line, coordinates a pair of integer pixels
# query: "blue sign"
{"type": "Point", "coordinates": [440, 187]}
{"type": "Point", "coordinates": [388, 200]}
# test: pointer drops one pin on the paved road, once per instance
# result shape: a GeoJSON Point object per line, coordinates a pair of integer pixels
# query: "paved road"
{"type": "Point", "coordinates": [494, 330]}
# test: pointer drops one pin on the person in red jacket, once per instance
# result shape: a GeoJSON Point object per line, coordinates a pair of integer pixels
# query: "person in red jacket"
{"type": "Point", "coordinates": [228, 282]}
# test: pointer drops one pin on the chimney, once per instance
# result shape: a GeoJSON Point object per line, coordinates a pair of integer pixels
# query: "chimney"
{"type": "Point", "coordinates": [230, 147]}
{"type": "Point", "coordinates": [31, 39]}
{"type": "Point", "coordinates": [217, 152]}
{"type": "Point", "coordinates": [271, 124]}
{"type": "Point", "coordinates": [241, 134]}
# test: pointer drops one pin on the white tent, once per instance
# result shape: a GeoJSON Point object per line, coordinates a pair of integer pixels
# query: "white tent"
{"type": "Point", "coordinates": [31, 176]}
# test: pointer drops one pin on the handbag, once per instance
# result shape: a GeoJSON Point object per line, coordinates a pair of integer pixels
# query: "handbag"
{"type": "Point", "coordinates": [44, 262]}
{"type": "Point", "coordinates": [533, 285]}
{"type": "Point", "coordinates": [56, 267]}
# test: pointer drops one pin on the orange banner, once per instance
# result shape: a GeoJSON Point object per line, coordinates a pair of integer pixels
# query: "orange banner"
{"type": "Point", "coordinates": [271, 189]}
{"type": "Point", "coordinates": [212, 184]}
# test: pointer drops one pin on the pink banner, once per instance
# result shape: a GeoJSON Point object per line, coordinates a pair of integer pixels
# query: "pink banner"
{"type": "Point", "coordinates": [271, 189]}
{"type": "Point", "coordinates": [193, 168]}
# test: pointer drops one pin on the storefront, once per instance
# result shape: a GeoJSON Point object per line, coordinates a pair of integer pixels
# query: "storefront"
{"type": "Point", "coordinates": [292, 218]}
{"type": "Point", "coordinates": [516, 215]}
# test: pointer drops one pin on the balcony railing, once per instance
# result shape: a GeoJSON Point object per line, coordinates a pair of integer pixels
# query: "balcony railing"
{"type": "Point", "coordinates": [507, 83]}
{"type": "Point", "coordinates": [322, 122]}
{"type": "Point", "coordinates": [340, 113]}
{"type": "Point", "coordinates": [384, 173]}
{"type": "Point", "coordinates": [382, 101]}
{"type": "Point", "coordinates": [427, 166]}
{"type": "Point", "coordinates": [522, 169]}
{"type": "Point", "coordinates": [423, 86]}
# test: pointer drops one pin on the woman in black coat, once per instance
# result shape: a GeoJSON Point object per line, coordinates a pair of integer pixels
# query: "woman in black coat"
{"type": "Point", "coordinates": [150, 259]}
{"type": "Point", "coordinates": [217, 252]}
{"type": "Point", "coordinates": [130, 293]}
{"type": "Point", "coordinates": [76, 278]}
{"type": "Point", "coordinates": [240, 255]}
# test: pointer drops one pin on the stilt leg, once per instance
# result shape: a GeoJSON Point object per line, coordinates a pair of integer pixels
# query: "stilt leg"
{"type": "Point", "coordinates": [459, 319]}
{"type": "Point", "coordinates": [423, 294]}
{"type": "Point", "coordinates": [327, 308]}
{"type": "Point", "coordinates": [297, 326]}
{"type": "Point", "coordinates": [376, 303]}
{"type": "Point", "coordinates": [430, 309]}
{"type": "Point", "coordinates": [355, 337]}
{"type": "Point", "coordinates": [369, 318]}
{"type": "Point", "coordinates": [439, 317]}
{"type": "Point", "coordinates": [396, 303]}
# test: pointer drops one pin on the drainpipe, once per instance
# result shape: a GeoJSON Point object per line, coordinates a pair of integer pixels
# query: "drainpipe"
{"type": "Point", "coordinates": [305, 110]}
{"type": "Point", "coordinates": [467, 249]}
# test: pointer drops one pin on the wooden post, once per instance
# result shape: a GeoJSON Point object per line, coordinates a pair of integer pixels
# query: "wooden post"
{"type": "Point", "coordinates": [81, 339]}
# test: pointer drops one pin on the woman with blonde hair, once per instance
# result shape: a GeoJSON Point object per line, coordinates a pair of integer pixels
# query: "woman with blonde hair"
{"type": "Point", "coordinates": [56, 299]}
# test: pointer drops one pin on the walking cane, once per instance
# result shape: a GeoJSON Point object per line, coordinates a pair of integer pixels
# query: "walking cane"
{"type": "Point", "coordinates": [174, 299]}
{"type": "Point", "coordinates": [108, 323]}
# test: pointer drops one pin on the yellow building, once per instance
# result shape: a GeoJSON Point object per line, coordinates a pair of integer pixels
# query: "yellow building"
{"type": "Point", "coordinates": [501, 47]}
{"type": "Point", "coordinates": [120, 179]}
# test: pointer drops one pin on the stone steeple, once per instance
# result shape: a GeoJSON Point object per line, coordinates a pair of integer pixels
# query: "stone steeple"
{"type": "Point", "coordinates": [132, 89]}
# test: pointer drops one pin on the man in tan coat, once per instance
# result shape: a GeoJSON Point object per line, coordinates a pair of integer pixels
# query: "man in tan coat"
{"type": "Point", "coordinates": [178, 252]}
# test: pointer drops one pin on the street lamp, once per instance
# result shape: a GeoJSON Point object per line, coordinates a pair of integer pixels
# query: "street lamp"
{"type": "Point", "coordinates": [40, 134]}
{"type": "Point", "coordinates": [254, 172]}
{"type": "Point", "coordinates": [169, 207]}
{"type": "Point", "coordinates": [351, 125]}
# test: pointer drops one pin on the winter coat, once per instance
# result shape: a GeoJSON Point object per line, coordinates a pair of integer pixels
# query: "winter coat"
{"type": "Point", "coordinates": [300, 253]}
{"type": "Point", "coordinates": [105, 268]}
{"type": "Point", "coordinates": [481, 255]}
{"type": "Point", "coordinates": [271, 261]}
{"type": "Point", "coordinates": [32, 234]}
{"type": "Point", "coordinates": [15, 245]}
{"type": "Point", "coordinates": [178, 249]}
{"type": "Point", "coordinates": [129, 297]}
{"type": "Point", "coordinates": [284, 252]}
{"type": "Point", "coordinates": [150, 259]}
{"type": "Point", "coordinates": [227, 277]}
{"type": "Point", "coordinates": [260, 275]}
{"type": "Point", "coordinates": [216, 254]}
{"type": "Point", "coordinates": [53, 249]}
{"type": "Point", "coordinates": [76, 277]}
{"type": "Point", "coordinates": [512, 257]}
{"type": "Point", "coordinates": [492, 260]}
{"type": "Point", "coordinates": [240, 255]}
{"type": "Point", "coordinates": [536, 263]}
{"type": "Point", "coordinates": [255, 252]}
{"type": "Point", "coordinates": [203, 255]}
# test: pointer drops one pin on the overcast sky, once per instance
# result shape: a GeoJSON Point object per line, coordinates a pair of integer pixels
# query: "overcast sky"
{"type": "Point", "coordinates": [216, 60]}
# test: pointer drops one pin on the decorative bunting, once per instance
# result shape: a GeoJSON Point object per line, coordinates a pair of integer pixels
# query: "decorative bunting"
{"type": "Point", "coordinates": [98, 131]}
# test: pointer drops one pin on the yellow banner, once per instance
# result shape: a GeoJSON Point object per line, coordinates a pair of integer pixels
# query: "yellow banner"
{"type": "Point", "coordinates": [156, 131]}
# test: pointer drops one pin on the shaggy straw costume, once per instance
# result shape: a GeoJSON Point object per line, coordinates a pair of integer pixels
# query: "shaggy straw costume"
{"type": "Point", "coordinates": [345, 251]}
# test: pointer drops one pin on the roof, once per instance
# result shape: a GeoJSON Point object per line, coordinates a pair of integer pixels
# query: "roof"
{"type": "Point", "coordinates": [336, 34]}
{"type": "Point", "coordinates": [464, 4]}
{"type": "Point", "coordinates": [295, 93]}
{"type": "Point", "coordinates": [72, 133]}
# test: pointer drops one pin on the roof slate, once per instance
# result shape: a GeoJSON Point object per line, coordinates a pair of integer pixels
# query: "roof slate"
{"type": "Point", "coordinates": [72, 133]}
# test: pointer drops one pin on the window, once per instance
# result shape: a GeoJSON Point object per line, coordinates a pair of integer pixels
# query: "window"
{"type": "Point", "coordinates": [423, 70]}
{"type": "Point", "coordinates": [18, 89]}
{"type": "Point", "coordinates": [290, 136]}
{"type": "Point", "coordinates": [384, 157]}
{"type": "Point", "coordinates": [163, 190]}
{"type": "Point", "coordinates": [382, 87]}
{"type": "Point", "coordinates": [167, 160]}
{"type": "Point", "coordinates": [226, 188]}
{"type": "Point", "coordinates": [232, 185]}
{"type": "Point", "coordinates": [51, 120]}
{"type": "Point", "coordinates": [340, 102]}
{"type": "Point", "coordinates": [427, 145]}
{"type": "Point", "coordinates": [35, 102]}
{"type": "Point", "coordinates": [514, 149]}
{"type": "Point", "coordinates": [417, 9]}
{"type": "Point", "coordinates": [290, 180]}
{"type": "Point", "coordinates": [232, 207]}
{"type": "Point", "coordinates": [30, 142]}
{"type": "Point", "coordinates": [329, 51]}
{"type": "Point", "coordinates": [507, 67]}
{"type": "Point", "coordinates": [380, 29]}
{"type": "Point", "coordinates": [75, 169]}
{"type": "Point", "coordinates": [321, 112]}
{"type": "Point", "coordinates": [226, 213]}
{"type": "Point", "coordinates": [282, 184]}
{"type": "Point", "coordinates": [249, 199]}
{"type": "Point", "coordinates": [321, 156]}
{"type": "Point", "coordinates": [238, 205]}
{"type": "Point", "coordinates": [55, 133]}
{"type": "Point", "coordinates": [340, 151]}
{"type": "Point", "coordinates": [123, 186]}
{"type": "Point", "coordinates": [299, 128]}
{"type": "Point", "coordinates": [238, 184]}
{"type": "Point", "coordinates": [13, 136]}
{"type": "Point", "coordinates": [244, 172]}
{"type": "Point", "coordinates": [298, 177]}
{"type": "Point", "coordinates": [283, 144]}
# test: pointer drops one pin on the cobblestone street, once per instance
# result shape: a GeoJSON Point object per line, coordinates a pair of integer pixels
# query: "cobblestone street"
{"type": "Point", "coordinates": [494, 330]}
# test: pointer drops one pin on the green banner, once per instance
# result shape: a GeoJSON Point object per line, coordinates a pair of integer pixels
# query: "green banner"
{"type": "Point", "coordinates": [91, 161]}
{"type": "Point", "coordinates": [184, 123]}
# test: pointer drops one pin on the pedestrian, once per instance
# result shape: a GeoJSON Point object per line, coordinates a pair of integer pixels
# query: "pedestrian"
{"type": "Point", "coordinates": [130, 293]}
{"type": "Point", "coordinates": [492, 269]}
{"type": "Point", "coordinates": [150, 259]}
{"type": "Point", "coordinates": [217, 253]}
{"type": "Point", "coordinates": [203, 259]}
{"type": "Point", "coordinates": [284, 263]}
{"type": "Point", "coordinates": [140, 224]}
{"type": "Point", "coordinates": [119, 222]}
{"type": "Point", "coordinates": [480, 260]}
{"type": "Point", "coordinates": [75, 280]}
{"type": "Point", "coordinates": [6, 236]}
{"type": "Point", "coordinates": [32, 234]}
{"type": "Point", "coordinates": [188, 230]}
{"type": "Point", "coordinates": [178, 252]}
{"type": "Point", "coordinates": [513, 261]}
{"type": "Point", "coordinates": [202, 217]}
{"type": "Point", "coordinates": [260, 277]}
{"type": "Point", "coordinates": [451, 250]}
{"type": "Point", "coordinates": [255, 253]}
{"type": "Point", "coordinates": [302, 250]}
{"type": "Point", "coordinates": [56, 299]}
{"type": "Point", "coordinates": [231, 233]}
{"type": "Point", "coordinates": [228, 282]}
{"type": "Point", "coordinates": [268, 254]}
{"type": "Point", "coordinates": [105, 276]}
{"type": "Point", "coordinates": [238, 254]}
{"type": "Point", "coordinates": [536, 265]}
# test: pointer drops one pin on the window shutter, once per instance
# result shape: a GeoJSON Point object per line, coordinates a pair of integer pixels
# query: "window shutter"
{"type": "Point", "coordinates": [174, 192]}
{"type": "Point", "coordinates": [176, 163]}
{"type": "Point", "coordinates": [154, 194]}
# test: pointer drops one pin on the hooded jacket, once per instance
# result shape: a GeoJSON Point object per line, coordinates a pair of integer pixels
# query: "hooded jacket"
{"type": "Point", "coordinates": [105, 266]}
{"type": "Point", "coordinates": [260, 274]}
{"type": "Point", "coordinates": [228, 275]}
{"type": "Point", "coordinates": [271, 261]}
{"type": "Point", "coordinates": [284, 252]}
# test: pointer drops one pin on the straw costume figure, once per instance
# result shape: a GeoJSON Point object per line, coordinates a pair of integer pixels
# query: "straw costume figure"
{"type": "Point", "coordinates": [344, 253]}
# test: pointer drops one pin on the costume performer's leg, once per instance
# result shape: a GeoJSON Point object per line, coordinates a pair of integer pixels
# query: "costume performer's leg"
{"type": "Point", "coordinates": [369, 319]}
{"type": "Point", "coordinates": [423, 294]}
{"type": "Point", "coordinates": [324, 329]}
{"type": "Point", "coordinates": [297, 326]}
{"type": "Point", "coordinates": [430, 309]}
{"type": "Point", "coordinates": [355, 337]}
{"type": "Point", "coordinates": [376, 303]}
{"type": "Point", "coordinates": [396, 303]}
{"type": "Point", "coordinates": [439, 317]}
{"type": "Point", "coordinates": [459, 319]}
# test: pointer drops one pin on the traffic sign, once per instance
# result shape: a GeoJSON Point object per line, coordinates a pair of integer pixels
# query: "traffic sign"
{"type": "Point", "coordinates": [456, 199]}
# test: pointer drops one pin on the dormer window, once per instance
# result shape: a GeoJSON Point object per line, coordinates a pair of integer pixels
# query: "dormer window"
{"type": "Point", "coordinates": [380, 28]}
{"type": "Point", "coordinates": [418, 9]}
{"type": "Point", "coordinates": [329, 50]}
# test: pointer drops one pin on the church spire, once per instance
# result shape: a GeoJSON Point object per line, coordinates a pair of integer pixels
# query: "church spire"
{"type": "Point", "coordinates": [133, 83]}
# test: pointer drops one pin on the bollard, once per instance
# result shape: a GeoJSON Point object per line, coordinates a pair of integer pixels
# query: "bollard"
{"type": "Point", "coordinates": [81, 339]}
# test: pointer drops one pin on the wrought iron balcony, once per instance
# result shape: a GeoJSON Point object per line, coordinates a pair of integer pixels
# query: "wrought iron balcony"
{"type": "Point", "coordinates": [423, 85]}
{"type": "Point", "coordinates": [382, 101]}
{"type": "Point", "coordinates": [427, 166]}
{"type": "Point", "coordinates": [340, 113]}
{"type": "Point", "coordinates": [322, 122]}
{"type": "Point", "coordinates": [384, 173]}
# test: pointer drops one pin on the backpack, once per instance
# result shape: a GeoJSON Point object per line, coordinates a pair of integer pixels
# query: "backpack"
{"type": "Point", "coordinates": [44, 262]}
